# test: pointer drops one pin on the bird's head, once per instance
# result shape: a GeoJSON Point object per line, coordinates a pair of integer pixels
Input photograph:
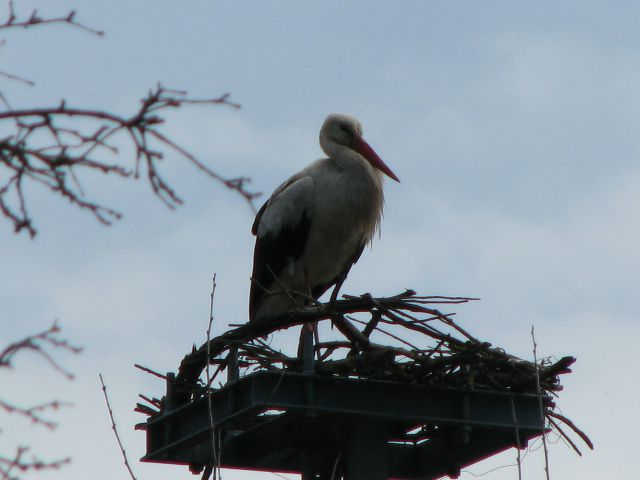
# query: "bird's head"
{"type": "Point", "coordinates": [340, 130]}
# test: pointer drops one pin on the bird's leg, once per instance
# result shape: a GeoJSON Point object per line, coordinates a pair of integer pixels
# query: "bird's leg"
{"type": "Point", "coordinates": [308, 328]}
{"type": "Point", "coordinates": [314, 325]}
{"type": "Point", "coordinates": [343, 276]}
{"type": "Point", "coordinates": [316, 338]}
{"type": "Point", "coordinates": [339, 282]}
{"type": "Point", "coordinates": [305, 349]}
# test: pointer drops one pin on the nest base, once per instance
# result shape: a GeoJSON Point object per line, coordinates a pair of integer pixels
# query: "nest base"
{"type": "Point", "coordinates": [323, 426]}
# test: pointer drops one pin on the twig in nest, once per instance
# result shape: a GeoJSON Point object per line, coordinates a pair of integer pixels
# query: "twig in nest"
{"type": "Point", "coordinates": [148, 370]}
{"type": "Point", "coordinates": [153, 401]}
{"type": "Point", "coordinates": [572, 426]}
{"type": "Point", "coordinates": [383, 331]}
{"type": "Point", "coordinates": [194, 363]}
{"type": "Point", "coordinates": [563, 434]}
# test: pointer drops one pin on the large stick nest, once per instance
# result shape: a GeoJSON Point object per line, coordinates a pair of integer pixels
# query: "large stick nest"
{"type": "Point", "coordinates": [425, 347]}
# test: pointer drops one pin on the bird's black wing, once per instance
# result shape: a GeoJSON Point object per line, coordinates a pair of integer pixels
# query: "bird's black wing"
{"type": "Point", "coordinates": [281, 228]}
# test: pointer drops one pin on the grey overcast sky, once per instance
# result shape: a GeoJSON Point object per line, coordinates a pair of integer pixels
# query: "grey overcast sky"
{"type": "Point", "coordinates": [512, 125]}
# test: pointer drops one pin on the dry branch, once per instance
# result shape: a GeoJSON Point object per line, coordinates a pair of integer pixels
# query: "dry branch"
{"type": "Point", "coordinates": [14, 21]}
{"type": "Point", "coordinates": [573, 427]}
{"type": "Point", "coordinates": [43, 344]}
{"type": "Point", "coordinates": [115, 429]}
{"type": "Point", "coordinates": [53, 147]}
{"type": "Point", "coordinates": [40, 343]}
{"type": "Point", "coordinates": [34, 414]}
{"type": "Point", "coordinates": [34, 19]}
{"type": "Point", "coordinates": [11, 467]}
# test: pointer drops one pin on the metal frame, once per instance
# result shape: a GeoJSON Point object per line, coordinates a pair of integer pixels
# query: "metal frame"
{"type": "Point", "coordinates": [319, 426]}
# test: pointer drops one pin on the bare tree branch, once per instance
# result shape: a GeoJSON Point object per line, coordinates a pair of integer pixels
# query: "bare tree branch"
{"type": "Point", "coordinates": [215, 448]}
{"type": "Point", "coordinates": [43, 344]}
{"type": "Point", "coordinates": [34, 19]}
{"type": "Point", "coordinates": [573, 427]}
{"type": "Point", "coordinates": [40, 343]}
{"type": "Point", "coordinates": [10, 467]}
{"type": "Point", "coordinates": [35, 413]}
{"type": "Point", "coordinates": [17, 78]}
{"type": "Point", "coordinates": [52, 146]}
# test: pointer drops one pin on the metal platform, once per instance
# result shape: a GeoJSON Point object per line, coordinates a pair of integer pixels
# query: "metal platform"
{"type": "Point", "coordinates": [319, 426]}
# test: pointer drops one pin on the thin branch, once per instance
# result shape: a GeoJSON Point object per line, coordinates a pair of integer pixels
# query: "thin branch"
{"type": "Point", "coordinates": [34, 414]}
{"type": "Point", "coordinates": [34, 20]}
{"type": "Point", "coordinates": [42, 344]}
{"type": "Point", "coordinates": [152, 372]}
{"type": "Point", "coordinates": [18, 463]}
{"type": "Point", "coordinates": [517, 435]}
{"type": "Point", "coordinates": [39, 343]}
{"type": "Point", "coordinates": [383, 331]}
{"type": "Point", "coordinates": [17, 78]}
{"type": "Point", "coordinates": [115, 429]}
{"type": "Point", "coordinates": [53, 147]}
{"type": "Point", "coordinates": [573, 427]}
{"type": "Point", "coordinates": [539, 390]}
{"type": "Point", "coordinates": [563, 434]}
{"type": "Point", "coordinates": [214, 449]}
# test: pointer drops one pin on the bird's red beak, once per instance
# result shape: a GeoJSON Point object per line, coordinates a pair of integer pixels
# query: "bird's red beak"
{"type": "Point", "coordinates": [369, 153]}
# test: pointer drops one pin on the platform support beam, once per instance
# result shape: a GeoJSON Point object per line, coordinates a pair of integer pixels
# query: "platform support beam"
{"type": "Point", "coordinates": [343, 428]}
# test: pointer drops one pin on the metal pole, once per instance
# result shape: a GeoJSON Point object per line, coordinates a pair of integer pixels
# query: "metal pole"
{"type": "Point", "coordinates": [169, 405]}
{"type": "Point", "coordinates": [307, 349]}
{"type": "Point", "coordinates": [367, 451]}
{"type": "Point", "coordinates": [307, 467]}
{"type": "Point", "coordinates": [307, 474]}
{"type": "Point", "coordinates": [233, 372]}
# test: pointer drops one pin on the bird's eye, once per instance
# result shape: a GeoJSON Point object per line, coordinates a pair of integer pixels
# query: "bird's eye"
{"type": "Point", "coordinates": [345, 129]}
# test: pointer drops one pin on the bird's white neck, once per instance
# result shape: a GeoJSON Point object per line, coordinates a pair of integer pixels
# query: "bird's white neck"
{"type": "Point", "coordinates": [333, 149]}
{"type": "Point", "coordinates": [349, 160]}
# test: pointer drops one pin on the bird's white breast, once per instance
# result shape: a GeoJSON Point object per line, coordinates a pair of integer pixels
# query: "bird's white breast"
{"type": "Point", "coordinates": [347, 210]}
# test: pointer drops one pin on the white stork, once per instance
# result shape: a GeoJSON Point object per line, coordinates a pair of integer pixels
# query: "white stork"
{"type": "Point", "coordinates": [315, 225]}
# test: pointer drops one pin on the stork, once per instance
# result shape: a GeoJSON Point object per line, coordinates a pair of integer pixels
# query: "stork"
{"type": "Point", "coordinates": [315, 225]}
